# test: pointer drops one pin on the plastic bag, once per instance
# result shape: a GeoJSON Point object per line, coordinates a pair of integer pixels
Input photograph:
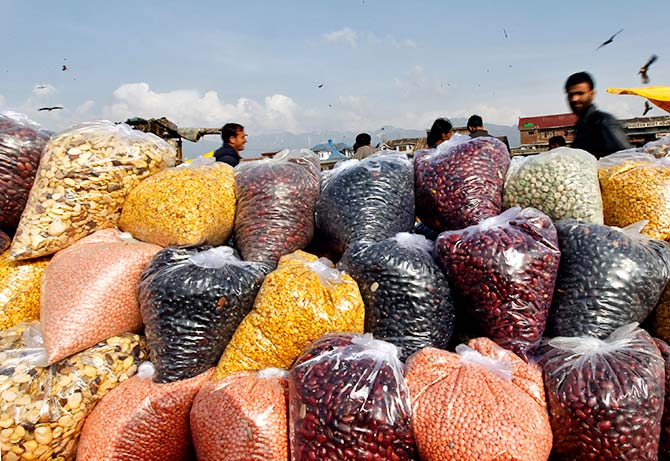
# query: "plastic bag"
{"type": "Point", "coordinates": [407, 297]}
{"type": "Point", "coordinates": [659, 319]}
{"type": "Point", "coordinates": [42, 409]}
{"type": "Point", "coordinates": [21, 145]}
{"type": "Point", "coordinates": [562, 183]}
{"type": "Point", "coordinates": [89, 292]}
{"type": "Point", "coordinates": [462, 185]}
{"type": "Point", "coordinates": [482, 404]}
{"type": "Point", "coordinates": [252, 404]}
{"type": "Point", "coordinates": [607, 278]}
{"type": "Point", "coordinates": [142, 421]}
{"type": "Point", "coordinates": [503, 272]}
{"type": "Point", "coordinates": [635, 187]}
{"type": "Point", "coordinates": [192, 299]}
{"type": "Point", "coordinates": [664, 444]}
{"type": "Point", "coordinates": [372, 199]}
{"type": "Point", "coordinates": [605, 397]}
{"type": "Point", "coordinates": [82, 183]}
{"type": "Point", "coordinates": [276, 202]}
{"type": "Point", "coordinates": [299, 302]}
{"type": "Point", "coordinates": [20, 289]}
{"type": "Point", "coordinates": [348, 400]}
{"type": "Point", "coordinates": [5, 242]}
{"type": "Point", "coordinates": [658, 149]}
{"type": "Point", "coordinates": [183, 206]}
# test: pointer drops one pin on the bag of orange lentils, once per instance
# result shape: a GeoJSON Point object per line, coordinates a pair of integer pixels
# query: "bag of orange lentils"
{"type": "Point", "coordinates": [483, 403]}
{"type": "Point", "coordinates": [253, 404]}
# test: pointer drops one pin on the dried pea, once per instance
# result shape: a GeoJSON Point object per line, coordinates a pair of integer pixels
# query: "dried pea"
{"type": "Point", "coordinates": [20, 289]}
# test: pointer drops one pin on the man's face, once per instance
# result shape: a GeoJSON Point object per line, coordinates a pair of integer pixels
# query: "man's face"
{"type": "Point", "coordinates": [580, 97]}
{"type": "Point", "coordinates": [238, 142]}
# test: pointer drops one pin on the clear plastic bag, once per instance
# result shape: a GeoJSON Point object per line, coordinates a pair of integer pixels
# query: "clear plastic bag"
{"type": "Point", "coordinates": [481, 404]}
{"type": "Point", "coordinates": [461, 184]}
{"type": "Point", "coordinates": [276, 203]}
{"type": "Point", "coordinates": [89, 292]}
{"type": "Point", "coordinates": [562, 183]}
{"type": "Point", "coordinates": [183, 206]}
{"type": "Point", "coordinates": [605, 396]}
{"type": "Point", "coordinates": [21, 144]}
{"type": "Point", "coordinates": [250, 403]}
{"type": "Point", "coordinates": [192, 299]}
{"type": "Point", "coordinates": [348, 400]}
{"type": "Point", "coordinates": [299, 302]}
{"type": "Point", "coordinates": [503, 272]}
{"type": "Point", "coordinates": [42, 409]}
{"type": "Point", "coordinates": [20, 289]}
{"type": "Point", "coordinates": [407, 297]}
{"type": "Point", "coordinates": [82, 182]}
{"type": "Point", "coordinates": [142, 421]}
{"type": "Point", "coordinates": [664, 443]}
{"type": "Point", "coordinates": [658, 149]}
{"type": "Point", "coordinates": [659, 321]}
{"type": "Point", "coordinates": [636, 187]}
{"type": "Point", "coordinates": [608, 277]}
{"type": "Point", "coordinates": [372, 199]}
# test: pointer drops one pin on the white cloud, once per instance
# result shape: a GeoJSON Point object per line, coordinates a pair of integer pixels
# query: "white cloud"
{"type": "Point", "coordinates": [85, 108]}
{"type": "Point", "coordinates": [44, 89]}
{"type": "Point", "coordinates": [345, 35]}
{"type": "Point", "coordinates": [348, 36]}
{"type": "Point", "coordinates": [417, 81]}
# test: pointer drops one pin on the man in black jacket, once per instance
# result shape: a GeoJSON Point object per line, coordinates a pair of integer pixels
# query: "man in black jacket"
{"type": "Point", "coordinates": [234, 140]}
{"type": "Point", "coordinates": [597, 132]}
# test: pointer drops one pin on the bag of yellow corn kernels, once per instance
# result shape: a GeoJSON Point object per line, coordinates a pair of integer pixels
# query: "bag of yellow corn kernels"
{"type": "Point", "coordinates": [299, 302]}
{"type": "Point", "coordinates": [20, 289]}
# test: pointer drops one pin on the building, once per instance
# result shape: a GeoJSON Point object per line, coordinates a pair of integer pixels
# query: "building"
{"type": "Point", "coordinates": [404, 145]}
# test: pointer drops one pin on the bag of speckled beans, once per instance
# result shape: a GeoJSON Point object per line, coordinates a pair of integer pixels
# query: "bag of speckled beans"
{"type": "Point", "coordinates": [276, 202]}
{"type": "Point", "coordinates": [664, 444]}
{"type": "Point", "coordinates": [187, 205]}
{"type": "Point", "coordinates": [635, 187]}
{"type": "Point", "coordinates": [348, 400]}
{"type": "Point", "coordinates": [192, 299]}
{"type": "Point", "coordinates": [303, 299]}
{"type": "Point", "coordinates": [371, 199]}
{"type": "Point", "coordinates": [82, 182]}
{"type": "Point", "coordinates": [461, 184]}
{"type": "Point", "coordinates": [43, 408]}
{"type": "Point", "coordinates": [503, 272]}
{"type": "Point", "coordinates": [605, 396]}
{"type": "Point", "coordinates": [562, 183]}
{"type": "Point", "coordinates": [607, 278]}
{"type": "Point", "coordinates": [142, 420]}
{"type": "Point", "coordinates": [482, 403]}
{"type": "Point", "coordinates": [407, 297]}
{"type": "Point", "coordinates": [659, 148]}
{"type": "Point", "coordinates": [242, 417]}
{"type": "Point", "coordinates": [89, 292]}
{"type": "Point", "coordinates": [20, 289]}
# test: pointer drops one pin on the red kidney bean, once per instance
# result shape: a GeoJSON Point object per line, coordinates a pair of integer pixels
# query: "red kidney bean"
{"type": "Point", "coordinates": [461, 186]}
{"type": "Point", "coordinates": [503, 272]}
{"type": "Point", "coordinates": [664, 445]}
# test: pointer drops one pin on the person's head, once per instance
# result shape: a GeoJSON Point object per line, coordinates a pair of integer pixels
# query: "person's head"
{"type": "Point", "coordinates": [233, 134]}
{"type": "Point", "coordinates": [363, 139]}
{"type": "Point", "coordinates": [440, 131]}
{"type": "Point", "coordinates": [580, 90]}
{"type": "Point", "coordinates": [556, 141]}
{"type": "Point", "coordinates": [475, 123]}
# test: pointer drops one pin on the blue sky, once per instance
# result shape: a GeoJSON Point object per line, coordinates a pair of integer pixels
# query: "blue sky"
{"type": "Point", "coordinates": [381, 62]}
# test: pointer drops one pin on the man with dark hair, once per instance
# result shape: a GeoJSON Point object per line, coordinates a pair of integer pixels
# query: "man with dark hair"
{"type": "Point", "coordinates": [597, 132]}
{"type": "Point", "coordinates": [556, 141]}
{"type": "Point", "coordinates": [362, 147]}
{"type": "Point", "coordinates": [476, 127]}
{"type": "Point", "coordinates": [234, 139]}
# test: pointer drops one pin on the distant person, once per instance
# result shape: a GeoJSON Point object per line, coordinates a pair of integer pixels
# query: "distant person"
{"type": "Point", "coordinates": [476, 127]}
{"type": "Point", "coordinates": [234, 138]}
{"type": "Point", "coordinates": [556, 141]}
{"type": "Point", "coordinates": [597, 132]}
{"type": "Point", "coordinates": [441, 131]}
{"type": "Point", "coordinates": [362, 146]}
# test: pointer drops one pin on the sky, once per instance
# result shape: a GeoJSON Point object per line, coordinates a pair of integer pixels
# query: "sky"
{"type": "Point", "coordinates": [319, 65]}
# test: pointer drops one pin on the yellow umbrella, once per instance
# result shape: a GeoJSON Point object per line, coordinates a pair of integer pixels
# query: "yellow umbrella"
{"type": "Point", "coordinates": [658, 95]}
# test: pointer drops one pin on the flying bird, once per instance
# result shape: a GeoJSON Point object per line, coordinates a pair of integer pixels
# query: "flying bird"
{"type": "Point", "coordinates": [644, 69]}
{"type": "Point", "coordinates": [49, 108]}
{"type": "Point", "coordinates": [40, 87]}
{"type": "Point", "coordinates": [321, 85]}
{"type": "Point", "coordinates": [64, 67]}
{"type": "Point", "coordinates": [505, 33]}
{"type": "Point", "coordinates": [609, 40]}
{"type": "Point", "coordinates": [647, 108]}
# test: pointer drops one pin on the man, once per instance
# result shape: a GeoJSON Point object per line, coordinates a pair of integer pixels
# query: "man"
{"type": "Point", "coordinates": [234, 139]}
{"type": "Point", "coordinates": [476, 127]}
{"type": "Point", "coordinates": [597, 132]}
{"type": "Point", "coordinates": [556, 141]}
{"type": "Point", "coordinates": [362, 147]}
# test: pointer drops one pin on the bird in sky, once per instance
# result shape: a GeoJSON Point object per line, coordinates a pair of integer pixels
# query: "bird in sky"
{"type": "Point", "coordinates": [647, 108]}
{"type": "Point", "coordinates": [505, 32]}
{"type": "Point", "coordinates": [40, 87]}
{"type": "Point", "coordinates": [64, 67]}
{"type": "Point", "coordinates": [609, 40]}
{"type": "Point", "coordinates": [321, 85]}
{"type": "Point", "coordinates": [644, 69]}
{"type": "Point", "coordinates": [49, 108]}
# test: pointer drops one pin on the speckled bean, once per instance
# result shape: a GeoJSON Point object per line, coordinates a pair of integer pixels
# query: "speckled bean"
{"type": "Point", "coordinates": [20, 289]}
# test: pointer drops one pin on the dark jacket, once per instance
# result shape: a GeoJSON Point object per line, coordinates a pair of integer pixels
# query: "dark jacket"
{"type": "Point", "coordinates": [599, 133]}
{"type": "Point", "coordinates": [482, 133]}
{"type": "Point", "coordinates": [227, 155]}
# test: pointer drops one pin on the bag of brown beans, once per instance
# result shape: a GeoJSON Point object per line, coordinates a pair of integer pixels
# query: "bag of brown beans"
{"type": "Point", "coordinates": [20, 289]}
{"type": "Point", "coordinates": [43, 408]}
{"type": "Point", "coordinates": [605, 396]}
{"type": "Point", "coordinates": [348, 400]}
{"type": "Point", "coordinates": [21, 145]}
{"type": "Point", "coordinates": [658, 322]}
{"type": "Point", "coordinates": [82, 182]}
{"type": "Point", "coordinates": [299, 302]}
{"type": "Point", "coordinates": [142, 421]}
{"type": "Point", "coordinates": [189, 205]}
{"type": "Point", "coordinates": [242, 417]}
{"type": "Point", "coordinates": [664, 444]}
{"type": "Point", "coordinates": [659, 148]}
{"type": "Point", "coordinates": [89, 291]}
{"type": "Point", "coordinates": [482, 403]}
{"type": "Point", "coordinates": [5, 242]}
